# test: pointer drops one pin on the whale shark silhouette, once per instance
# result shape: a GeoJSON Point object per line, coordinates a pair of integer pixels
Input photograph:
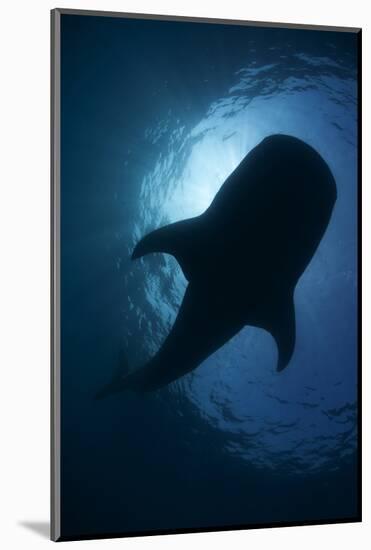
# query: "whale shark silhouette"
{"type": "Point", "coordinates": [242, 258]}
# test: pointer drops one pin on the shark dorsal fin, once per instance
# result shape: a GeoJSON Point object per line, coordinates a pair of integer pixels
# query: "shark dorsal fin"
{"type": "Point", "coordinates": [178, 239]}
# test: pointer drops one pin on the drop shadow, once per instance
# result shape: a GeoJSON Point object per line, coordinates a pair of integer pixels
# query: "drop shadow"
{"type": "Point", "coordinates": [42, 528]}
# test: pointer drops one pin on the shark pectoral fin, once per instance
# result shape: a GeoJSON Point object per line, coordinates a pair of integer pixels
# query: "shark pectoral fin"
{"type": "Point", "coordinates": [283, 330]}
{"type": "Point", "coordinates": [120, 374]}
{"type": "Point", "coordinates": [178, 239]}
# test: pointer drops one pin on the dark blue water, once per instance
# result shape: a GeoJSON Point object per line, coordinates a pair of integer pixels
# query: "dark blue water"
{"type": "Point", "coordinates": [155, 116]}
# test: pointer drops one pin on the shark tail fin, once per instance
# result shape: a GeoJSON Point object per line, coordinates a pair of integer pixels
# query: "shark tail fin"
{"type": "Point", "coordinates": [177, 239]}
{"type": "Point", "coordinates": [117, 382]}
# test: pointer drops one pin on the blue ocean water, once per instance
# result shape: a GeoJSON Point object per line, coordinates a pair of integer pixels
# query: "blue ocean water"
{"type": "Point", "coordinates": [155, 116]}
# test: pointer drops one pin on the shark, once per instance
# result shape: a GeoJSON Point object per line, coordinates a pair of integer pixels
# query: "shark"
{"type": "Point", "coordinates": [242, 258]}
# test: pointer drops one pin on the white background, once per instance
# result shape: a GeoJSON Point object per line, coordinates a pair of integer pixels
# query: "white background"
{"type": "Point", "coordinates": [24, 271]}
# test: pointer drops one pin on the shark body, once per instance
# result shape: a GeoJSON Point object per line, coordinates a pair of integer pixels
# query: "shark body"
{"type": "Point", "coordinates": [242, 258]}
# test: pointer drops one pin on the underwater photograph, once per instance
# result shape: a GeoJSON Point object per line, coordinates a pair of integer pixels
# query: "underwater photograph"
{"type": "Point", "coordinates": [209, 275]}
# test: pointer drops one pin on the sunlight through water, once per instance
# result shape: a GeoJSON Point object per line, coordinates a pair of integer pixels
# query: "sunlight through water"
{"type": "Point", "coordinates": [306, 414]}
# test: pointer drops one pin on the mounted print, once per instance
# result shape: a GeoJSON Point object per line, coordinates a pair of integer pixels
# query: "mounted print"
{"type": "Point", "coordinates": [205, 275]}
